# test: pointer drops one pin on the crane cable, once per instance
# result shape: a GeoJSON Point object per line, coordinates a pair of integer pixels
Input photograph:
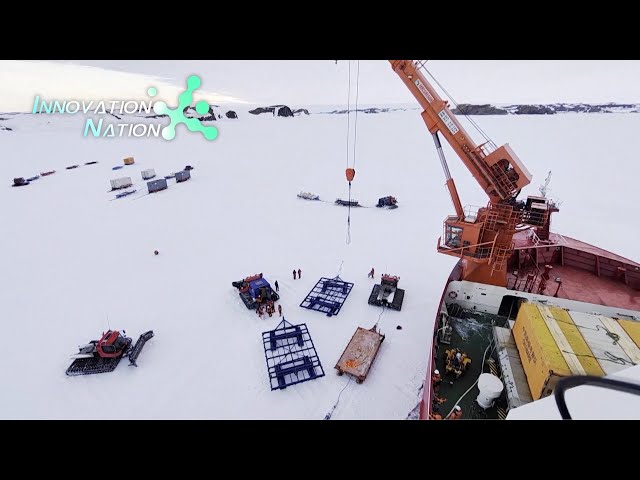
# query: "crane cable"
{"type": "Point", "coordinates": [328, 415]}
{"type": "Point", "coordinates": [348, 239]}
{"type": "Point", "coordinates": [355, 138]}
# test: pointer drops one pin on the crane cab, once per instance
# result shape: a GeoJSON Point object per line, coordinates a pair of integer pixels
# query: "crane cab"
{"type": "Point", "coordinates": [112, 344]}
{"type": "Point", "coordinates": [461, 237]}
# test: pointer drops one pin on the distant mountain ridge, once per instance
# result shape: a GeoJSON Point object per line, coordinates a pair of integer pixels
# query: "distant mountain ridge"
{"type": "Point", "coordinates": [219, 112]}
{"type": "Point", "coordinates": [545, 109]}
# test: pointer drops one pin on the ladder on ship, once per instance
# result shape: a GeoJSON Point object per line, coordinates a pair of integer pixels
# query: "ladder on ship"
{"type": "Point", "coordinates": [501, 254]}
{"type": "Point", "coordinates": [505, 185]}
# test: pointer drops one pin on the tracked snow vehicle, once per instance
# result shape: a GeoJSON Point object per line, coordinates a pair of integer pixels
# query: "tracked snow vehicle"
{"type": "Point", "coordinates": [104, 355]}
{"type": "Point", "coordinates": [387, 293]}
{"type": "Point", "coordinates": [389, 203]}
{"type": "Point", "coordinates": [254, 290]}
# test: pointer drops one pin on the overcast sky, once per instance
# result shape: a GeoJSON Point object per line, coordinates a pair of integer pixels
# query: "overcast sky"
{"type": "Point", "coordinates": [317, 82]}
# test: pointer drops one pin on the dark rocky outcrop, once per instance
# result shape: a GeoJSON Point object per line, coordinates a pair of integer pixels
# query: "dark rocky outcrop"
{"type": "Point", "coordinates": [210, 116]}
{"type": "Point", "coordinates": [467, 109]}
{"type": "Point", "coordinates": [548, 109]}
{"type": "Point", "coordinates": [534, 110]}
{"type": "Point", "coordinates": [363, 110]}
{"type": "Point", "coordinates": [261, 110]}
{"type": "Point", "coordinates": [6, 128]}
{"type": "Point", "coordinates": [275, 110]}
{"type": "Point", "coordinates": [284, 111]}
{"type": "Point", "coordinates": [231, 114]}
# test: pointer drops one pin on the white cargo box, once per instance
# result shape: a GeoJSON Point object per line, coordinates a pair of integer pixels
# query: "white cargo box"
{"type": "Point", "coordinates": [123, 182]}
{"type": "Point", "coordinates": [148, 174]}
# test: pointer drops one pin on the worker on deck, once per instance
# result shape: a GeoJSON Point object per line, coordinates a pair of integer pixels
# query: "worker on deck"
{"type": "Point", "coordinates": [436, 379]}
{"type": "Point", "coordinates": [464, 361]}
{"type": "Point", "coordinates": [450, 355]}
{"type": "Point", "coordinates": [456, 414]}
{"type": "Point", "coordinates": [457, 364]}
{"type": "Point", "coordinates": [439, 400]}
{"type": "Point", "coordinates": [371, 273]}
{"type": "Point", "coordinates": [435, 416]}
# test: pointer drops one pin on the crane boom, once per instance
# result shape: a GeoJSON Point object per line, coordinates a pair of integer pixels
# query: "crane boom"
{"type": "Point", "coordinates": [498, 171]}
{"type": "Point", "coordinates": [483, 240]}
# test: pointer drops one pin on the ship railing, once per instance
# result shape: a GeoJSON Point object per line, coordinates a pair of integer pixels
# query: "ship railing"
{"type": "Point", "coordinates": [537, 242]}
{"type": "Point", "coordinates": [561, 239]}
{"type": "Point", "coordinates": [465, 250]}
{"type": "Point", "coordinates": [471, 213]}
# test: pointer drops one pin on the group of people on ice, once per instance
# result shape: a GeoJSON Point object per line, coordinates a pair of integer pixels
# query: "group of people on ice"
{"type": "Point", "coordinates": [269, 308]}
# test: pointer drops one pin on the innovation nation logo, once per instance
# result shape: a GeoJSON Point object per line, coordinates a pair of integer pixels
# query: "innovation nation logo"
{"type": "Point", "coordinates": [118, 107]}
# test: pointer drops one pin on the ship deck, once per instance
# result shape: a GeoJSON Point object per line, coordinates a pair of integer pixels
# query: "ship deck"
{"type": "Point", "coordinates": [523, 239]}
{"type": "Point", "coordinates": [472, 334]}
{"type": "Point", "coordinates": [579, 271]}
{"type": "Point", "coordinates": [583, 286]}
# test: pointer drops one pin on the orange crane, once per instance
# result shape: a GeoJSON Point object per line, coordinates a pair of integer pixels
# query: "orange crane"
{"type": "Point", "coordinates": [483, 240]}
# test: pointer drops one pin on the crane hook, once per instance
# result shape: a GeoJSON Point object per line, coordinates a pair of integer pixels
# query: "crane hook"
{"type": "Point", "coordinates": [350, 172]}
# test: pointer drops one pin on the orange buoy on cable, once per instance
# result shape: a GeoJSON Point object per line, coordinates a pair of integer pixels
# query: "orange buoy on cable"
{"type": "Point", "coordinates": [351, 172]}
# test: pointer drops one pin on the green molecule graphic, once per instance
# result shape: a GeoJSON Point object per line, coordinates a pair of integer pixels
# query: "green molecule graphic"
{"type": "Point", "coordinates": [177, 115]}
{"type": "Point", "coordinates": [202, 107]}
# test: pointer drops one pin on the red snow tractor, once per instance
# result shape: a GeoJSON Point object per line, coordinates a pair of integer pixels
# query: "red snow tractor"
{"type": "Point", "coordinates": [101, 356]}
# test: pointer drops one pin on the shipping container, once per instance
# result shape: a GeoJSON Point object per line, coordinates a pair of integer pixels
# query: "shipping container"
{"type": "Point", "coordinates": [541, 358]}
{"type": "Point", "coordinates": [122, 182]}
{"type": "Point", "coordinates": [129, 161]}
{"type": "Point", "coordinates": [148, 174]}
{"type": "Point", "coordinates": [157, 185]}
{"type": "Point", "coordinates": [553, 343]}
{"type": "Point", "coordinates": [183, 176]}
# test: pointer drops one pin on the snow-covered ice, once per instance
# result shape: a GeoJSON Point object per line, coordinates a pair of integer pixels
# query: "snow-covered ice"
{"type": "Point", "coordinates": [75, 263]}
